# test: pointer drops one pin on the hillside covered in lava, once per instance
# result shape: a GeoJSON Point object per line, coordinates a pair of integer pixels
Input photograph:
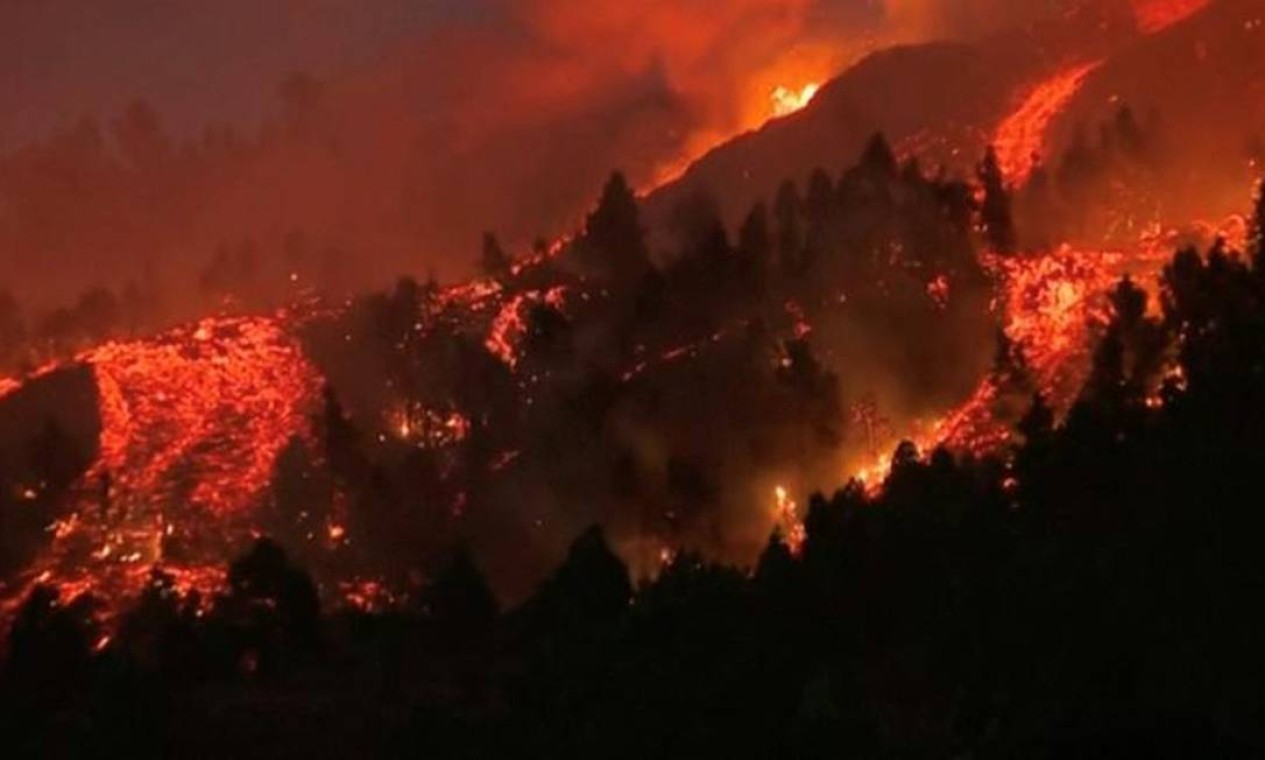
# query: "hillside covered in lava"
{"type": "Point", "coordinates": [920, 415]}
{"type": "Point", "coordinates": [1083, 584]}
{"type": "Point", "coordinates": [763, 326]}
{"type": "Point", "coordinates": [1038, 94]}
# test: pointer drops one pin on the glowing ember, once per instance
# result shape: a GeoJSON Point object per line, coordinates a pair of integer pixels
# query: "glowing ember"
{"type": "Point", "coordinates": [367, 595]}
{"type": "Point", "coordinates": [1021, 137]}
{"type": "Point", "coordinates": [939, 290]}
{"type": "Point", "coordinates": [427, 428]}
{"type": "Point", "coordinates": [510, 324]}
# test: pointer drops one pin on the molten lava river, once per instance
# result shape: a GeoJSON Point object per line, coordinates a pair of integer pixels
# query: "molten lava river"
{"type": "Point", "coordinates": [191, 425]}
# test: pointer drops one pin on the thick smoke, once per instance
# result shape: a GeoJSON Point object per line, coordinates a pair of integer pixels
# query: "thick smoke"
{"type": "Point", "coordinates": [410, 133]}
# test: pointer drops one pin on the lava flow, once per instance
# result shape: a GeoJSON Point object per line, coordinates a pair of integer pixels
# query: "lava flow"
{"type": "Point", "coordinates": [1051, 305]}
{"type": "Point", "coordinates": [1020, 139]}
{"type": "Point", "coordinates": [191, 425]}
{"type": "Point", "coordinates": [219, 399]}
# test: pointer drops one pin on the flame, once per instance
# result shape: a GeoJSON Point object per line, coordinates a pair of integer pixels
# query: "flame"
{"type": "Point", "coordinates": [782, 89]}
{"type": "Point", "coordinates": [788, 100]}
{"type": "Point", "coordinates": [1020, 139]}
{"type": "Point", "coordinates": [788, 520]}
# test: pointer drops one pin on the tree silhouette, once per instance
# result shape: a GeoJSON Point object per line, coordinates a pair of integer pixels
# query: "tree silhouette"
{"type": "Point", "coordinates": [459, 598]}
{"type": "Point", "coordinates": [878, 160]}
{"type": "Point", "coordinates": [614, 241]}
{"type": "Point", "coordinates": [590, 586]}
{"type": "Point", "coordinates": [995, 214]}
{"type": "Point", "coordinates": [493, 261]}
{"type": "Point", "coordinates": [50, 644]}
{"type": "Point", "coordinates": [275, 602]}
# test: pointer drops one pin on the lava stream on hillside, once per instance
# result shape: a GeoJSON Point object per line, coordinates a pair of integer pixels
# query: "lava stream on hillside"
{"type": "Point", "coordinates": [1020, 140]}
{"type": "Point", "coordinates": [191, 423]}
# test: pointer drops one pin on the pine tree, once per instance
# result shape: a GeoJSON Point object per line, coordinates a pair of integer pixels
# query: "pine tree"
{"type": "Point", "coordinates": [460, 597]}
{"type": "Point", "coordinates": [1037, 425]}
{"type": "Point", "coordinates": [995, 215]}
{"type": "Point", "coordinates": [494, 261]}
{"type": "Point", "coordinates": [614, 242]}
{"type": "Point", "coordinates": [878, 159]}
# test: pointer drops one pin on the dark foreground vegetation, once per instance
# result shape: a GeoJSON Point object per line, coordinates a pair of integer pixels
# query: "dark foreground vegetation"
{"type": "Point", "coordinates": [1097, 597]}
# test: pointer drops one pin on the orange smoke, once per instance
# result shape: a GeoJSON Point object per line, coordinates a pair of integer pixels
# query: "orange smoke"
{"type": "Point", "coordinates": [1157, 15]}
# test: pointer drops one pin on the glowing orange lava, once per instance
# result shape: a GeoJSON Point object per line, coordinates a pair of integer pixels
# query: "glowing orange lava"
{"type": "Point", "coordinates": [1051, 306]}
{"type": "Point", "coordinates": [510, 324]}
{"type": "Point", "coordinates": [1021, 137]}
{"type": "Point", "coordinates": [191, 425]}
{"type": "Point", "coordinates": [219, 399]}
{"type": "Point", "coordinates": [1156, 15]}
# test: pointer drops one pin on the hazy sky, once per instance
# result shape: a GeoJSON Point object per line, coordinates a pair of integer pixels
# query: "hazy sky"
{"type": "Point", "coordinates": [198, 60]}
{"type": "Point", "coordinates": [210, 60]}
{"type": "Point", "coordinates": [435, 119]}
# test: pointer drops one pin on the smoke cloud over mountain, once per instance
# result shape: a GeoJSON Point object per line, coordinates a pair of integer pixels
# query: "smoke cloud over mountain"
{"type": "Point", "coordinates": [406, 132]}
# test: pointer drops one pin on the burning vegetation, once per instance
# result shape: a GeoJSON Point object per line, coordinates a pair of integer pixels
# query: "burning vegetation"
{"type": "Point", "coordinates": [848, 314]}
{"type": "Point", "coordinates": [1015, 381]}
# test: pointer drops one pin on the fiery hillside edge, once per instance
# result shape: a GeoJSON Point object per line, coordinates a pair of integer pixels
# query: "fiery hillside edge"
{"type": "Point", "coordinates": [192, 421]}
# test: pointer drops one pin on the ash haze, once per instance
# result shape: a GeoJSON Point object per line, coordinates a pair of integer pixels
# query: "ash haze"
{"type": "Point", "coordinates": [411, 128]}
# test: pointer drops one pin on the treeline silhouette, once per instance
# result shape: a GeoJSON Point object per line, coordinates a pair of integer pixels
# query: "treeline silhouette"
{"type": "Point", "coordinates": [1092, 592]}
{"type": "Point", "coordinates": [679, 373]}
